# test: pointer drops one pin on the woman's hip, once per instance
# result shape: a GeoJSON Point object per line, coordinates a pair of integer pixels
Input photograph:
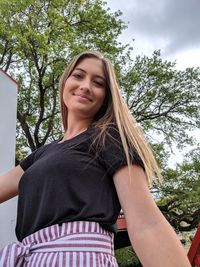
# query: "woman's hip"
{"type": "Point", "coordinates": [73, 244]}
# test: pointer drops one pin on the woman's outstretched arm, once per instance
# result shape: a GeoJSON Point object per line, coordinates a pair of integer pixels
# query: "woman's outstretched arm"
{"type": "Point", "coordinates": [9, 183]}
{"type": "Point", "coordinates": [151, 236]}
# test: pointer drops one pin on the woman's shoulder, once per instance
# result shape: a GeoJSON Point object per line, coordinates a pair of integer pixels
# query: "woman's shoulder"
{"type": "Point", "coordinates": [34, 155]}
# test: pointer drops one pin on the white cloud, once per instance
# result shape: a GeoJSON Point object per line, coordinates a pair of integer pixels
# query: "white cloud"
{"type": "Point", "coordinates": [172, 26]}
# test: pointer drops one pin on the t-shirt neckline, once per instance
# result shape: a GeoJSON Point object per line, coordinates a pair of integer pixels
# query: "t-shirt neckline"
{"type": "Point", "coordinates": [76, 137]}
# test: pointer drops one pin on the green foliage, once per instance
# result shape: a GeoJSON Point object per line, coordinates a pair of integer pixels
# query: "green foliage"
{"type": "Point", "coordinates": [37, 40]}
{"type": "Point", "coordinates": [179, 194]}
{"type": "Point", "coordinates": [126, 257]}
{"type": "Point", "coordinates": [164, 100]}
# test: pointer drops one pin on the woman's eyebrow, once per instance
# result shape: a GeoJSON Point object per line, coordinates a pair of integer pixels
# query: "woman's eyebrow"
{"type": "Point", "coordinates": [96, 75]}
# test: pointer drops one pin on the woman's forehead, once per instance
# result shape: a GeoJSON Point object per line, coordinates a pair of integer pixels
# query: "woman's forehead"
{"type": "Point", "coordinates": [92, 66]}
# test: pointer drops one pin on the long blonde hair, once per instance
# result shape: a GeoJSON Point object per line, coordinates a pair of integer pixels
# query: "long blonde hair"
{"type": "Point", "coordinates": [115, 110]}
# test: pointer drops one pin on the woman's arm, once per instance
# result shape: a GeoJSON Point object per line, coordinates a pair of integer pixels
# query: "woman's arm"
{"type": "Point", "coordinates": [151, 236]}
{"type": "Point", "coordinates": [9, 183]}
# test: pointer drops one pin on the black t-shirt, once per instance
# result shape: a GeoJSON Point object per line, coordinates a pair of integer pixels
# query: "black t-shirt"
{"type": "Point", "coordinates": [70, 181]}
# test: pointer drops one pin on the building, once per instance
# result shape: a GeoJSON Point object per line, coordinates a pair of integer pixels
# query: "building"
{"type": "Point", "coordinates": [8, 111]}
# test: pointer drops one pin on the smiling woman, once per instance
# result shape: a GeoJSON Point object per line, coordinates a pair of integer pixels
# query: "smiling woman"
{"type": "Point", "coordinates": [85, 90]}
{"type": "Point", "coordinates": [78, 186]}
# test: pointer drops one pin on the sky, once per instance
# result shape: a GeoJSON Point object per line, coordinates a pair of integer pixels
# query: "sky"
{"type": "Point", "coordinates": [169, 25]}
{"type": "Point", "coordinates": [173, 26]}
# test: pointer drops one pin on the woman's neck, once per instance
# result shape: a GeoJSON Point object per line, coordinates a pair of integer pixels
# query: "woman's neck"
{"type": "Point", "coordinates": [72, 132]}
{"type": "Point", "coordinates": [76, 125]}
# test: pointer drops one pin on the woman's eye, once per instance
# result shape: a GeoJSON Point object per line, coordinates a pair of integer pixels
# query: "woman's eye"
{"type": "Point", "coordinates": [100, 84]}
{"type": "Point", "coordinates": [77, 76]}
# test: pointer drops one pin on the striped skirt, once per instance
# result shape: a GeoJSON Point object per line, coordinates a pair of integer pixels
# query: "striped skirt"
{"type": "Point", "coordinates": [72, 244]}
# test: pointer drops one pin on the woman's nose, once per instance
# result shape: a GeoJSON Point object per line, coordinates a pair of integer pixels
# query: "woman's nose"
{"type": "Point", "coordinates": [86, 85]}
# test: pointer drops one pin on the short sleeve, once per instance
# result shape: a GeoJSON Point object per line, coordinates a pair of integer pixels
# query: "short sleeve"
{"type": "Point", "coordinates": [113, 155]}
{"type": "Point", "coordinates": [31, 158]}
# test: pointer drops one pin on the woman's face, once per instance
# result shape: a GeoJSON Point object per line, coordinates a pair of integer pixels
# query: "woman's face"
{"type": "Point", "coordinates": [85, 89]}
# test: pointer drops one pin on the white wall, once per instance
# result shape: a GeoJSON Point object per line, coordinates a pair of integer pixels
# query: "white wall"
{"type": "Point", "coordinates": [8, 107]}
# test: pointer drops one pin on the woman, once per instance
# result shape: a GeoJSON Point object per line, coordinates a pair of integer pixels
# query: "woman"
{"type": "Point", "coordinates": [71, 191]}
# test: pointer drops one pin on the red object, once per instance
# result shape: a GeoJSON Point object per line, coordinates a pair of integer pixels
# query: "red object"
{"type": "Point", "coordinates": [194, 251]}
{"type": "Point", "coordinates": [9, 76]}
{"type": "Point", "coordinates": [121, 223]}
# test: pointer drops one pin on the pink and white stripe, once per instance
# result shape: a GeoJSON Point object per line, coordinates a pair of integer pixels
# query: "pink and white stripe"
{"type": "Point", "coordinates": [72, 244]}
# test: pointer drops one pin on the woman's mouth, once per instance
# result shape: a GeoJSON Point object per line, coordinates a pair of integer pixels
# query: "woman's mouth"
{"type": "Point", "coordinates": [85, 97]}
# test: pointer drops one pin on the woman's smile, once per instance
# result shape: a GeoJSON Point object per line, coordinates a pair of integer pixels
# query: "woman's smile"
{"type": "Point", "coordinates": [83, 97]}
{"type": "Point", "coordinates": [84, 90]}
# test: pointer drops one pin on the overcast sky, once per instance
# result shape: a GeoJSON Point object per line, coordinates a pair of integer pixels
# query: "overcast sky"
{"type": "Point", "coordinates": [170, 25]}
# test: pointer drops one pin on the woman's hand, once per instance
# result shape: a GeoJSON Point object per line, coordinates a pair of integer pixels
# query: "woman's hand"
{"type": "Point", "coordinates": [151, 236]}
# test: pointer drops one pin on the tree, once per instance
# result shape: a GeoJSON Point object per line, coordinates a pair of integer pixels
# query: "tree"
{"type": "Point", "coordinates": [179, 195]}
{"type": "Point", "coordinates": [37, 39]}
{"type": "Point", "coordinates": [165, 101]}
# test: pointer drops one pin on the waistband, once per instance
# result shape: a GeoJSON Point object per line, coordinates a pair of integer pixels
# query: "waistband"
{"type": "Point", "coordinates": [72, 236]}
{"type": "Point", "coordinates": [66, 230]}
